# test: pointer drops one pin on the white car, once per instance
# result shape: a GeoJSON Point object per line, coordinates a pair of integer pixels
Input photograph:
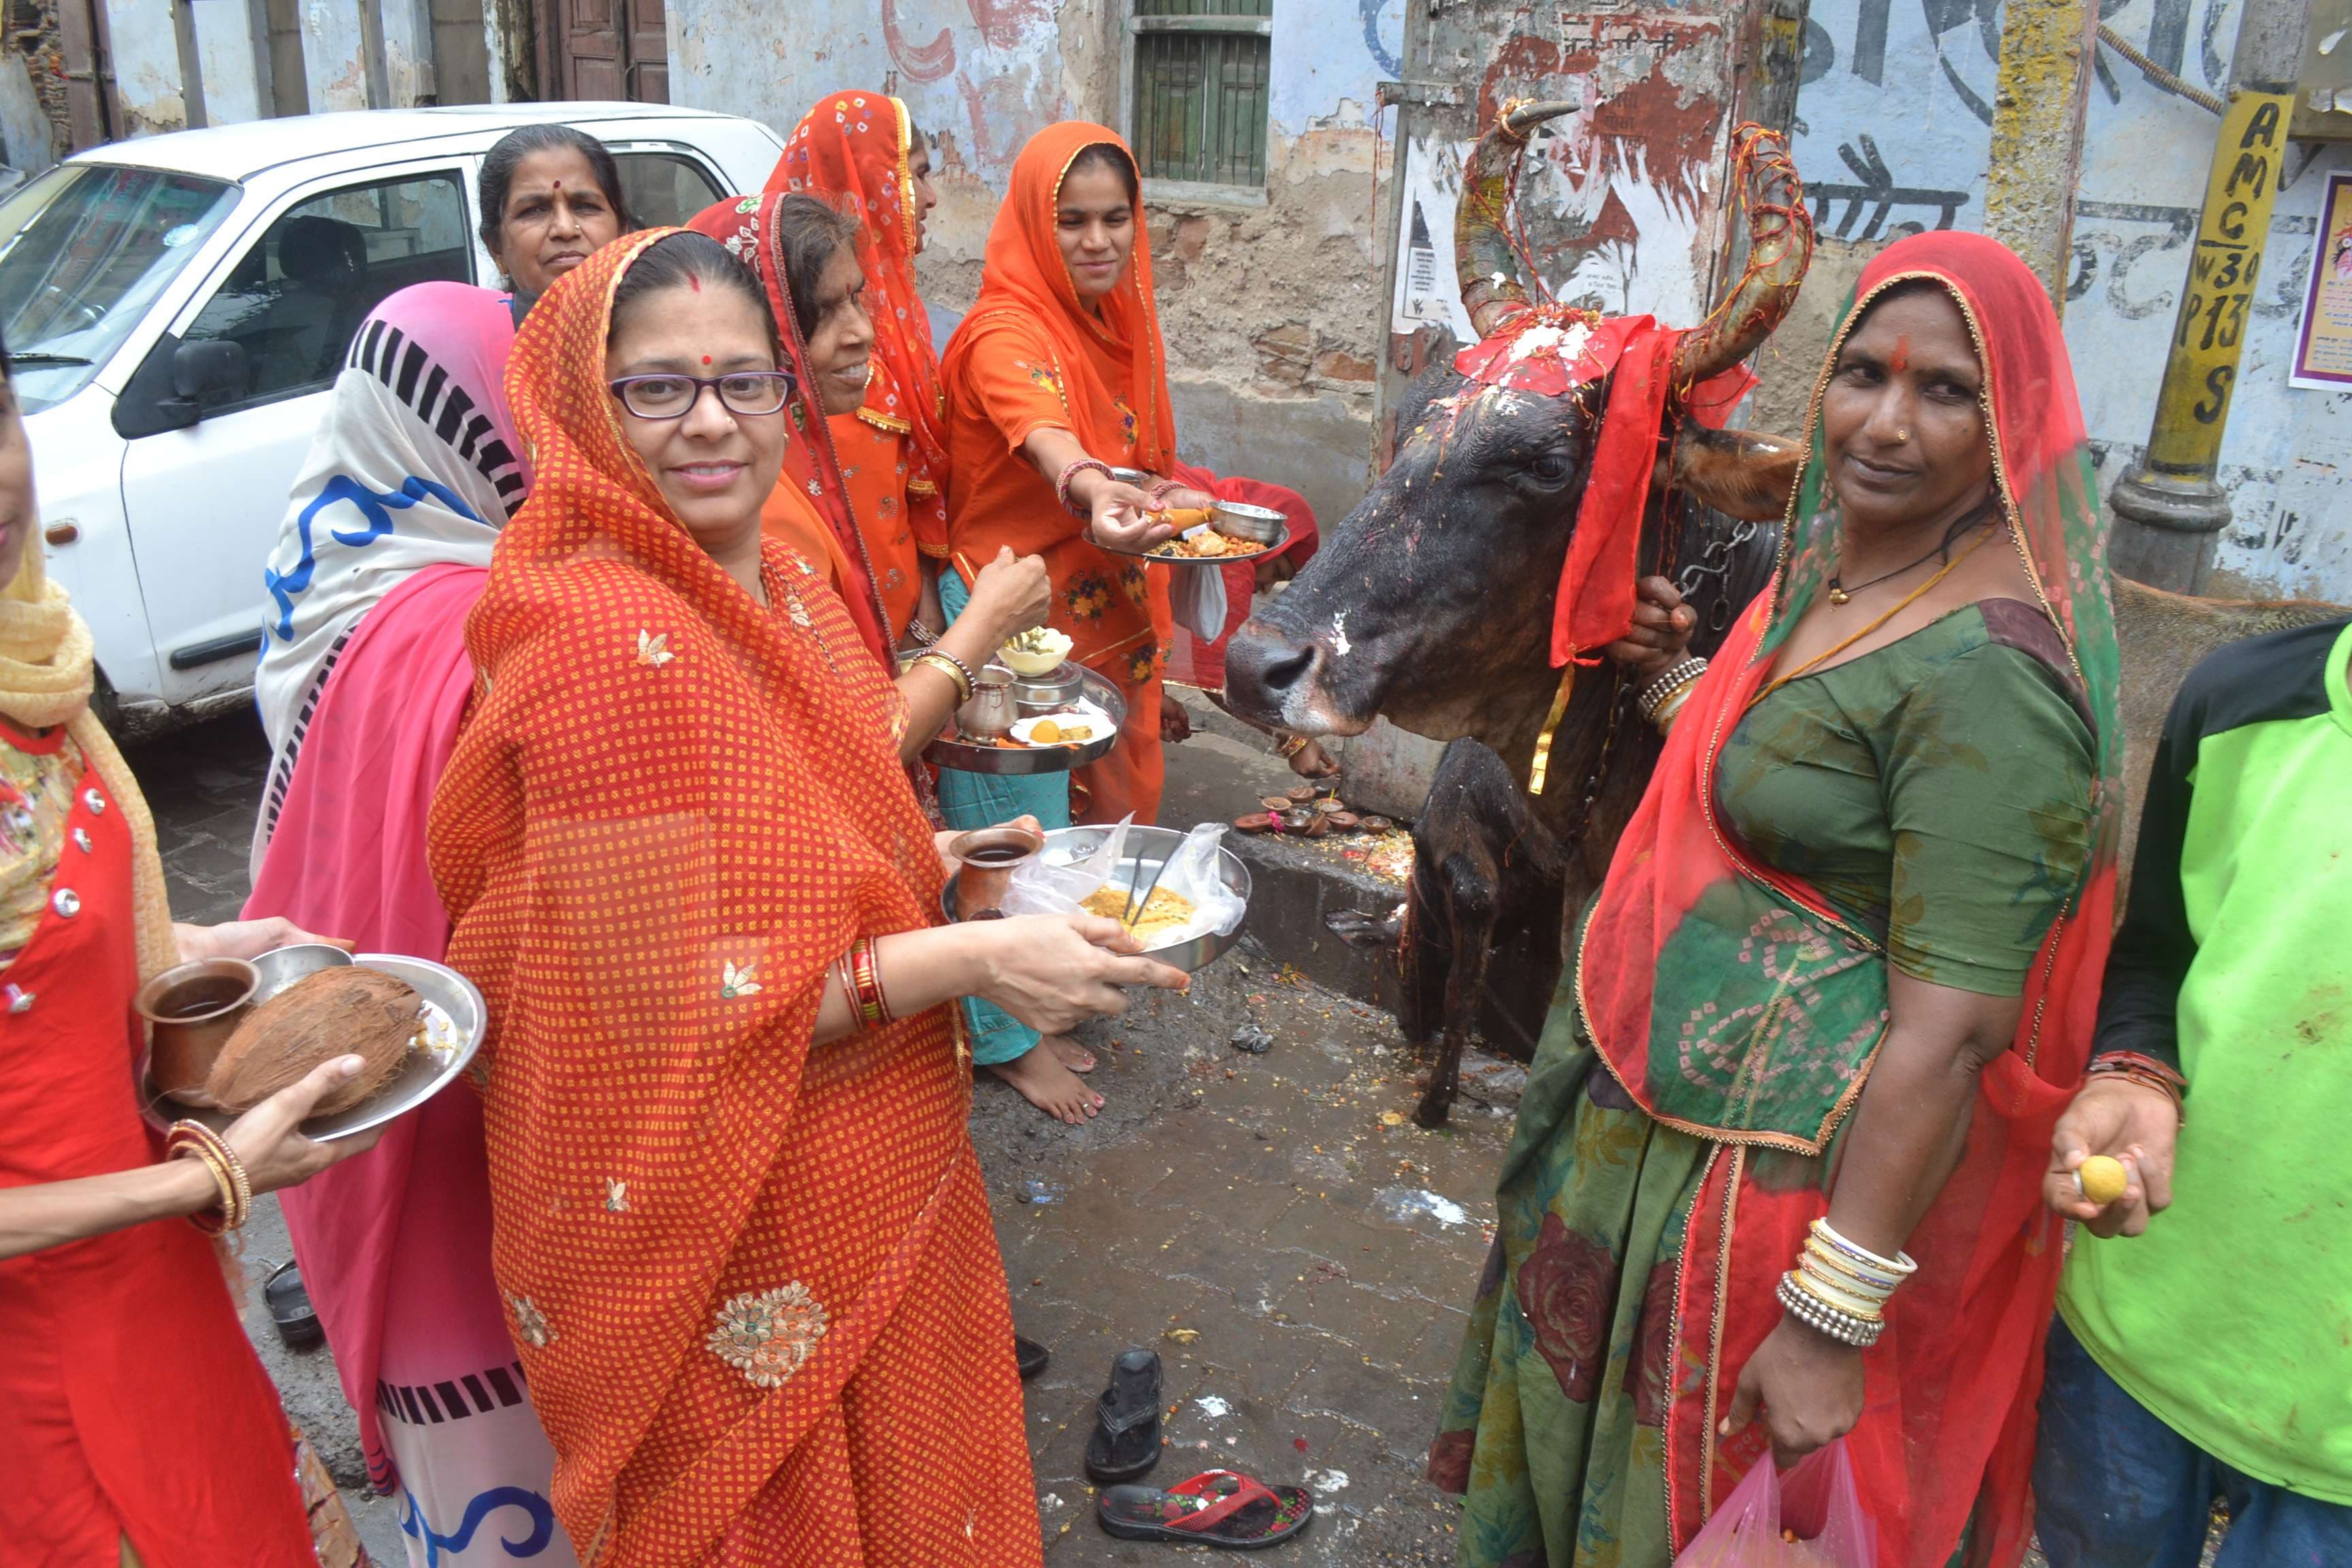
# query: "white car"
{"type": "Point", "coordinates": [173, 352]}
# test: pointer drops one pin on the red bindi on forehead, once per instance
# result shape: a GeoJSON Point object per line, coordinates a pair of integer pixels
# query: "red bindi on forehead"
{"type": "Point", "coordinates": [706, 359]}
{"type": "Point", "coordinates": [1902, 361]}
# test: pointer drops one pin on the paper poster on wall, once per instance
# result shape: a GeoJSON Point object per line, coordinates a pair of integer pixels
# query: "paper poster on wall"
{"type": "Point", "coordinates": [1426, 292]}
{"type": "Point", "coordinates": [2322, 342]}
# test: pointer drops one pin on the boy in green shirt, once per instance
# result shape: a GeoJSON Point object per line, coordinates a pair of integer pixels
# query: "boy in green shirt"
{"type": "Point", "coordinates": [2208, 1353]}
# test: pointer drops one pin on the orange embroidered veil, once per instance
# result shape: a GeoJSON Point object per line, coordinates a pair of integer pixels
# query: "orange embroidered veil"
{"type": "Point", "coordinates": [852, 149]}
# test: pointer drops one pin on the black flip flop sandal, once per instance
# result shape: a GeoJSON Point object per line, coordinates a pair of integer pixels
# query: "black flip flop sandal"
{"type": "Point", "coordinates": [1029, 1356]}
{"type": "Point", "coordinates": [1215, 1508]}
{"type": "Point", "coordinates": [1126, 1440]}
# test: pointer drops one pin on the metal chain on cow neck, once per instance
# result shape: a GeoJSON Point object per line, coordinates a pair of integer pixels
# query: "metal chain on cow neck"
{"type": "Point", "coordinates": [1715, 561]}
{"type": "Point", "coordinates": [1600, 773]}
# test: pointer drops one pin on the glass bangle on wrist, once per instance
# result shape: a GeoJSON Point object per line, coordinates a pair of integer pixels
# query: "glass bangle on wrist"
{"type": "Point", "coordinates": [1070, 472]}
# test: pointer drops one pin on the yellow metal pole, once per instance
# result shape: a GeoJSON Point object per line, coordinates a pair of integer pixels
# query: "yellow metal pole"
{"type": "Point", "coordinates": [2169, 508]}
{"type": "Point", "coordinates": [2047, 47]}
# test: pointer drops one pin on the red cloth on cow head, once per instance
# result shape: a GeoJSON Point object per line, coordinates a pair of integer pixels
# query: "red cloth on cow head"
{"type": "Point", "coordinates": [1552, 351]}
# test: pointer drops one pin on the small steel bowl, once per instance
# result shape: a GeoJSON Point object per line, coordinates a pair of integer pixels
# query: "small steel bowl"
{"type": "Point", "coordinates": [191, 1012]}
{"type": "Point", "coordinates": [282, 967]}
{"type": "Point", "coordinates": [1057, 688]}
{"type": "Point", "coordinates": [1258, 524]}
{"type": "Point", "coordinates": [1135, 476]}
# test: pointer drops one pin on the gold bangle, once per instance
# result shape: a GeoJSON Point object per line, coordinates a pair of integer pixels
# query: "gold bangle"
{"type": "Point", "coordinates": [227, 1170]}
{"type": "Point", "coordinates": [1664, 717]}
{"type": "Point", "coordinates": [952, 667]}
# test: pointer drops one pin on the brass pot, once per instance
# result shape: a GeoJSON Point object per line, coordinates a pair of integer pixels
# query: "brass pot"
{"type": "Point", "coordinates": [191, 1012]}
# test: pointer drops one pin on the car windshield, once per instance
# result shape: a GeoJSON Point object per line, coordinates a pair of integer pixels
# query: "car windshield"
{"type": "Point", "coordinates": [84, 250]}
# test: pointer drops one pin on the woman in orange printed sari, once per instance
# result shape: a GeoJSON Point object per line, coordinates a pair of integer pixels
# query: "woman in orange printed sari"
{"type": "Point", "coordinates": [1056, 377]}
{"type": "Point", "coordinates": [860, 154]}
{"type": "Point", "coordinates": [740, 1230]}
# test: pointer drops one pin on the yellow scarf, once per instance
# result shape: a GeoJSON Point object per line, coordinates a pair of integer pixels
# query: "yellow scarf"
{"type": "Point", "coordinates": [46, 671]}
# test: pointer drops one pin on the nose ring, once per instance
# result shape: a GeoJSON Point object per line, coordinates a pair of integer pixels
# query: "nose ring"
{"type": "Point", "coordinates": [1901, 435]}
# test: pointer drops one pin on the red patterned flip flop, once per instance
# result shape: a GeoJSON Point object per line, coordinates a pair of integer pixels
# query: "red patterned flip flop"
{"type": "Point", "coordinates": [1215, 1508]}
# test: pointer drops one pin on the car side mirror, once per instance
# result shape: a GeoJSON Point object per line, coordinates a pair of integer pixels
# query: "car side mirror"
{"type": "Point", "coordinates": [212, 370]}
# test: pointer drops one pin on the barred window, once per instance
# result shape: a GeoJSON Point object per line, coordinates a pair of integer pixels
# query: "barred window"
{"type": "Point", "coordinates": [1200, 89]}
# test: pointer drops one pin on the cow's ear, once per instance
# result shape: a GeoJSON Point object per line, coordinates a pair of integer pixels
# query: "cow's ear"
{"type": "Point", "coordinates": [1740, 473]}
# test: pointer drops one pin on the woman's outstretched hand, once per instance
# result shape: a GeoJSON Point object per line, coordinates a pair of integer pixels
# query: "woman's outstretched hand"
{"type": "Point", "coordinates": [1661, 632]}
{"type": "Point", "coordinates": [273, 1153]}
{"type": "Point", "coordinates": [1808, 1385]}
{"type": "Point", "coordinates": [1119, 517]}
{"type": "Point", "coordinates": [1054, 972]}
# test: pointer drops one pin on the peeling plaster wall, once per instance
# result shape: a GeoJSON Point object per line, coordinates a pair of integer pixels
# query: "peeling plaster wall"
{"type": "Point", "coordinates": [146, 65]}
{"type": "Point", "coordinates": [1894, 135]}
{"type": "Point", "coordinates": [1272, 313]}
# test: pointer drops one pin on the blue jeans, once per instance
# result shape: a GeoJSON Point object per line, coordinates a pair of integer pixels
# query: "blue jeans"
{"type": "Point", "coordinates": [2114, 1486]}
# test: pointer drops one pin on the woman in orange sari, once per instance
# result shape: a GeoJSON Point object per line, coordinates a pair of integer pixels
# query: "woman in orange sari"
{"type": "Point", "coordinates": [740, 1229]}
{"type": "Point", "coordinates": [1056, 377]}
{"type": "Point", "coordinates": [860, 154]}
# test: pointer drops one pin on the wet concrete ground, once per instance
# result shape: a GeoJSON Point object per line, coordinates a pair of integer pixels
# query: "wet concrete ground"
{"type": "Point", "coordinates": [1297, 1252]}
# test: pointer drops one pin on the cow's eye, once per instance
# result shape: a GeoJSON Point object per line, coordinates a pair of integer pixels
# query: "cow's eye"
{"type": "Point", "coordinates": [1550, 469]}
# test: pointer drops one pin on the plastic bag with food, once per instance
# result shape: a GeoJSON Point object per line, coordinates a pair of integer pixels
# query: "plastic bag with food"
{"type": "Point", "coordinates": [1192, 900]}
{"type": "Point", "coordinates": [1809, 1517]}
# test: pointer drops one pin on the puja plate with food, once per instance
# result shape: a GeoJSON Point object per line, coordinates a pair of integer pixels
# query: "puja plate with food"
{"type": "Point", "coordinates": [1097, 706]}
{"type": "Point", "coordinates": [1216, 533]}
{"type": "Point", "coordinates": [417, 1023]}
{"type": "Point", "coordinates": [1140, 866]}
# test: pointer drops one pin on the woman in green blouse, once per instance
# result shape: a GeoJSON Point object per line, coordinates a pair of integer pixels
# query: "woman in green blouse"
{"type": "Point", "coordinates": [1834, 995]}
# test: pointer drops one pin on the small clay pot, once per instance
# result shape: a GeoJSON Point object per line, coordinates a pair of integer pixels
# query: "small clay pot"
{"type": "Point", "coordinates": [1301, 794]}
{"type": "Point", "coordinates": [1374, 823]}
{"type": "Point", "coordinates": [1343, 821]}
{"type": "Point", "coordinates": [1274, 802]}
{"type": "Point", "coordinates": [1299, 819]}
{"type": "Point", "coordinates": [1255, 822]}
{"type": "Point", "coordinates": [1328, 805]}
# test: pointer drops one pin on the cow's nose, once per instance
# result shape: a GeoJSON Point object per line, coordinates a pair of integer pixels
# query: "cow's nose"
{"type": "Point", "coordinates": [1266, 668]}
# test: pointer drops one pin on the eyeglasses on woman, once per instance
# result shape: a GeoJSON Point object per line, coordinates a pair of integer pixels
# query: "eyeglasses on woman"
{"type": "Point", "coordinates": [750, 392]}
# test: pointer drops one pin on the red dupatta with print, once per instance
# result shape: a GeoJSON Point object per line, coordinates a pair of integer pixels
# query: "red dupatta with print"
{"type": "Point", "coordinates": [1732, 1003]}
{"type": "Point", "coordinates": [852, 149]}
{"type": "Point", "coordinates": [673, 809]}
{"type": "Point", "coordinates": [746, 226]}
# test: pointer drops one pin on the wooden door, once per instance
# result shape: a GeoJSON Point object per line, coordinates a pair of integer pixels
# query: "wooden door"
{"type": "Point", "coordinates": [593, 63]}
{"type": "Point", "coordinates": [648, 51]}
{"type": "Point", "coordinates": [611, 49]}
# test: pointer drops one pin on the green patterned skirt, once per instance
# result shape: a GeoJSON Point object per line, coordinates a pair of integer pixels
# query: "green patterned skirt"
{"type": "Point", "coordinates": [1554, 1430]}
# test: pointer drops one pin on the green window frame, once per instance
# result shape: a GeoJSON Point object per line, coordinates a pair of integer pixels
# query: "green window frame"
{"type": "Point", "coordinates": [1199, 87]}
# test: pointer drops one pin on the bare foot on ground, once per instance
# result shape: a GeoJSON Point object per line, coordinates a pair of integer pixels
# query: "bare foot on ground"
{"type": "Point", "coordinates": [1073, 1056]}
{"type": "Point", "coordinates": [1049, 1086]}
